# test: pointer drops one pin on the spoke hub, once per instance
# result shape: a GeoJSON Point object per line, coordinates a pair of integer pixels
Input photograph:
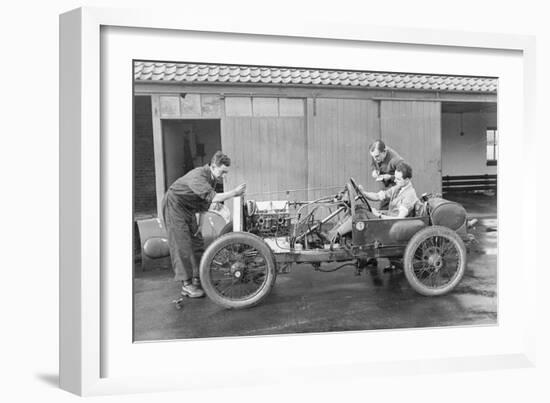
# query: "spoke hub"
{"type": "Point", "coordinates": [237, 269]}
{"type": "Point", "coordinates": [436, 261]}
{"type": "Point", "coordinates": [433, 258]}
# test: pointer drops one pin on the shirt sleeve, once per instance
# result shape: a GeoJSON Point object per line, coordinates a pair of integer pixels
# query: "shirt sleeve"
{"type": "Point", "coordinates": [203, 189]}
{"type": "Point", "coordinates": [386, 194]}
{"type": "Point", "coordinates": [409, 201]}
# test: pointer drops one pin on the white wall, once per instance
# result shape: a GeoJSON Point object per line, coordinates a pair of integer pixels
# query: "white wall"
{"type": "Point", "coordinates": [465, 155]}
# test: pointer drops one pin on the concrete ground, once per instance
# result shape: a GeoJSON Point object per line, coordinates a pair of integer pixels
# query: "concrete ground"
{"type": "Point", "coordinates": [308, 301]}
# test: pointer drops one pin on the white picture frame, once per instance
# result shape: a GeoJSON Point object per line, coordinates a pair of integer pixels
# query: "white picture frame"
{"type": "Point", "coordinates": [88, 340]}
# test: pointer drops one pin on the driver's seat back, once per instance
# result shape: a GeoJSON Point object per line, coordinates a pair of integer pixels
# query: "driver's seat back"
{"type": "Point", "coordinates": [420, 209]}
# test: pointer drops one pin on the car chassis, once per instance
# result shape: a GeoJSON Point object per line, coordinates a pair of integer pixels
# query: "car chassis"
{"type": "Point", "coordinates": [238, 269]}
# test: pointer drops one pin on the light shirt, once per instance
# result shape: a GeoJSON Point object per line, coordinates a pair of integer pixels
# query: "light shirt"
{"type": "Point", "coordinates": [401, 199]}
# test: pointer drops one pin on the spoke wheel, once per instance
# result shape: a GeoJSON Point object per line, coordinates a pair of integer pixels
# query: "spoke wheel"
{"type": "Point", "coordinates": [434, 261]}
{"type": "Point", "coordinates": [237, 270]}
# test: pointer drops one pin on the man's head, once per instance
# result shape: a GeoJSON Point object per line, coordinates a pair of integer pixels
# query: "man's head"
{"type": "Point", "coordinates": [378, 151]}
{"type": "Point", "coordinates": [219, 165]}
{"type": "Point", "coordinates": [403, 173]}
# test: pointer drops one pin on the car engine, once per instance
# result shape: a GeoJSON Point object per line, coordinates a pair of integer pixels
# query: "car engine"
{"type": "Point", "coordinates": [267, 218]}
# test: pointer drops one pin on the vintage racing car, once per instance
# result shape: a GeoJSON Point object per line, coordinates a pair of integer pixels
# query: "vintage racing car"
{"type": "Point", "coordinates": [238, 269]}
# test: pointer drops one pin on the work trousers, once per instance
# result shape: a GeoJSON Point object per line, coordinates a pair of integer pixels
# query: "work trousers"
{"type": "Point", "coordinates": [184, 239]}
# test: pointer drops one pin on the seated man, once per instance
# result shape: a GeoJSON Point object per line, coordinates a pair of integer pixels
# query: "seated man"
{"type": "Point", "coordinates": [402, 199]}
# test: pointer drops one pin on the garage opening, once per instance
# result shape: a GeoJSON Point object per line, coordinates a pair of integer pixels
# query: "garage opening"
{"type": "Point", "coordinates": [187, 144]}
{"type": "Point", "coordinates": [469, 147]}
{"type": "Point", "coordinates": [469, 155]}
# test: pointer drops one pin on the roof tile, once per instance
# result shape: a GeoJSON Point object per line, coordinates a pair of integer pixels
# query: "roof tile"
{"type": "Point", "coordinates": [189, 72]}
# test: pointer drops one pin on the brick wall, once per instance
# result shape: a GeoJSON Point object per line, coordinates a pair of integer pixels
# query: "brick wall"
{"type": "Point", "coordinates": [144, 162]}
{"type": "Point", "coordinates": [144, 169]}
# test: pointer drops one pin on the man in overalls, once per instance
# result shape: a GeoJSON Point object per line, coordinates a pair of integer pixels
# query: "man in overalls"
{"type": "Point", "coordinates": [191, 194]}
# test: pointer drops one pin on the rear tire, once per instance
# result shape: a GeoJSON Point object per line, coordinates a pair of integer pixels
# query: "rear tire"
{"type": "Point", "coordinates": [238, 270]}
{"type": "Point", "coordinates": [434, 261]}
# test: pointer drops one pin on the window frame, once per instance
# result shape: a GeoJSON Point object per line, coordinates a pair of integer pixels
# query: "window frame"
{"type": "Point", "coordinates": [494, 160]}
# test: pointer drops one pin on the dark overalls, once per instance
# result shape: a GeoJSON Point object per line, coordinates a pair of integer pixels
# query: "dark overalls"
{"type": "Point", "coordinates": [187, 196]}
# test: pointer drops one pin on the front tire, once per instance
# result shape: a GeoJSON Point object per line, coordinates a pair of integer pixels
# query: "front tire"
{"type": "Point", "coordinates": [434, 261]}
{"type": "Point", "coordinates": [238, 270]}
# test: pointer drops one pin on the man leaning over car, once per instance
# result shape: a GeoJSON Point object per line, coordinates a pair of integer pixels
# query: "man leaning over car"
{"type": "Point", "coordinates": [188, 195]}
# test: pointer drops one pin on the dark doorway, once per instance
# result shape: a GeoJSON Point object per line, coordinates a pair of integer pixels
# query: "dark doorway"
{"type": "Point", "coordinates": [188, 143]}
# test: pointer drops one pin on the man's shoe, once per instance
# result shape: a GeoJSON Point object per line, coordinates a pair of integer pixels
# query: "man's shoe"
{"type": "Point", "coordinates": [395, 265]}
{"type": "Point", "coordinates": [192, 291]}
{"type": "Point", "coordinates": [372, 262]}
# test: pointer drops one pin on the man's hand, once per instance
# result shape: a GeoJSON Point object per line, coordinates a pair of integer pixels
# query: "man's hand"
{"type": "Point", "coordinates": [240, 190]}
{"type": "Point", "coordinates": [385, 177]}
{"type": "Point", "coordinates": [375, 173]}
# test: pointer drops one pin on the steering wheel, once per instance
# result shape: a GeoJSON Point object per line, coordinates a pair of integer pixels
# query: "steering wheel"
{"type": "Point", "coordinates": [360, 193]}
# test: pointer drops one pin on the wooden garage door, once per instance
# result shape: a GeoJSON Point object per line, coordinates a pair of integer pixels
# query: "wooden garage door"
{"type": "Point", "coordinates": [268, 153]}
{"type": "Point", "coordinates": [413, 129]}
{"type": "Point", "coordinates": [339, 134]}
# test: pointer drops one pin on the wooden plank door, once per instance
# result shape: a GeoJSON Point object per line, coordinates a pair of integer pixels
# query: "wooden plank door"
{"type": "Point", "coordinates": [413, 129]}
{"type": "Point", "coordinates": [339, 134]}
{"type": "Point", "coordinates": [269, 154]}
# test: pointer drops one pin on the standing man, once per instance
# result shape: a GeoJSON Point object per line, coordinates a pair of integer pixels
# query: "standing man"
{"type": "Point", "coordinates": [384, 160]}
{"type": "Point", "coordinates": [187, 196]}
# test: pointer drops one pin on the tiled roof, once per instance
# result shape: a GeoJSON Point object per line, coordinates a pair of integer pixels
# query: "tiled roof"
{"type": "Point", "coordinates": [221, 74]}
